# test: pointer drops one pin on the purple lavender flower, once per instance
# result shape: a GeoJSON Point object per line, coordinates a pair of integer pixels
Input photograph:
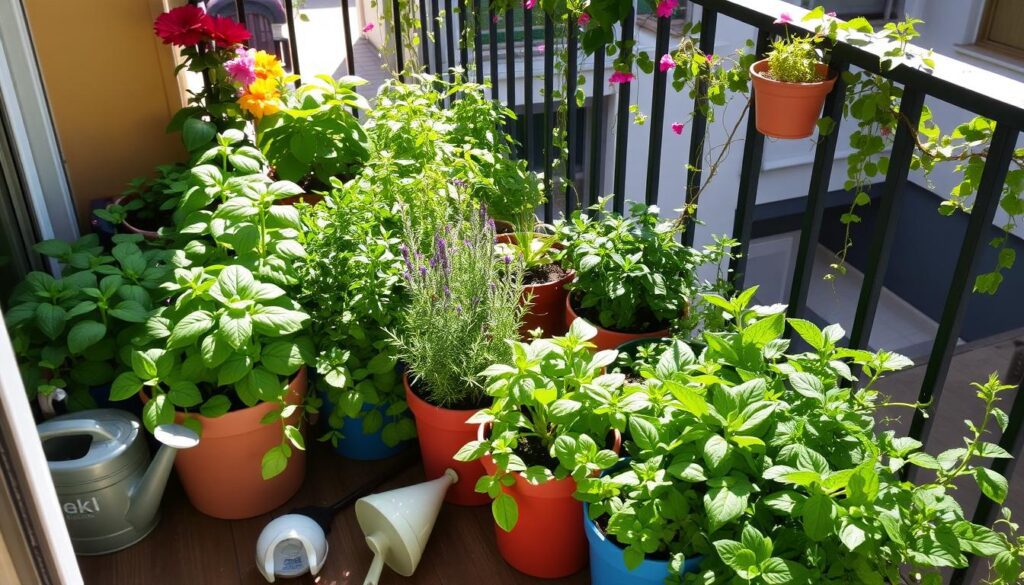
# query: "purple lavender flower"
{"type": "Point", "coordinates": [490, 225]}
{"type": "Point", "coordinates": [447, 292]}
{"type": "Point", "coordinates": [458, 309]}
{"type": "Point", "coordinates": [458, 182]}
{"type": "Point", "coordinates": [408, 275]}
{"type": "Point", "coordinates": [405, 256]}
{"type": "Point", "coordinates": [507, 260]}
{"type": "Point", "coordinates": [423, 271]}
{"type": "Point", "coordinates": [442, 253]}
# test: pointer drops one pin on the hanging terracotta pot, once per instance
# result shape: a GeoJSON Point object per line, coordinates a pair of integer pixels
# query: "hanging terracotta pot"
{"type": "Point", "coordinates": [547, 300]}
{"type": "Point", "coordinates": [788, 110]}
{"type": "Point", "coordinates": [607, 338]}
{"type": "Point", "coordinates": [548, 540]}
{"type": "Point", "coordinates": [222, 476]}
{"type": "Point", "coordinates": [442, 432]}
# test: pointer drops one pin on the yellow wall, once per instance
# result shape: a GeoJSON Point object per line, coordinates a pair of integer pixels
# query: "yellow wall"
{"type": "Point", "coordinates": [111, 88]}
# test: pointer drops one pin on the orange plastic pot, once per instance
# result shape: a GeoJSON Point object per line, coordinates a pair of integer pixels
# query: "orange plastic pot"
{"type": "Point", "coordinates": [222, 476]}
{"type": "Point", "coordinates": [547, 301]}
{"type": "Point", "coordinates": [607, 338]}
{"type": "Point", "coordinates": [442, 432]}
{"type": "Point", "coordinates": [788, 110]}
{"type": "Point", "coordinates": [549, 540]}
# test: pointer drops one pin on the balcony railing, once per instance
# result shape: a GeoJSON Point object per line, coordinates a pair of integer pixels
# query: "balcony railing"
{"type": "Point", "coordinates": [960, 84]}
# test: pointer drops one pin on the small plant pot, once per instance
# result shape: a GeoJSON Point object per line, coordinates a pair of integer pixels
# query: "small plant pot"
{"type": "Point", "coordinates": [548, 540]}
{"type": "Point", "coordinates": [147, 234]}
{"type": "Point", "coordinates": [222, 476]}
{"type": "Point", "coordinates": [608, 566]}
{"type": "Point", "coordinates": [357, 444]}
{"type": "Point", "coordinates": [607, 338]}
{"type": "Point", "coordinates": [547, 301]}
{"type": "Point", "coordinates": [442, 432]}
{"type": "Point", "coordinates": [788, 110]}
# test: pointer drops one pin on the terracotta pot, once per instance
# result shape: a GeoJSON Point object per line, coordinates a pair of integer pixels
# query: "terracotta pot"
{"type": "Point", "coordinates": [607, 338]}
{"type": "Point", "coordinates": [222, 475]}
{"type": "Point", "coordinates": [547, 301]}
{"type": "Point", "coordinates": [548, 540]}
{"type": "Point", "coordinates": [310, 198]}
{"type": "Point", "coordinates": [788, 110]}
{"type": "Point", "coordinates": [442, 432]}
{"type": "Point", "coordinates": [147, 234]}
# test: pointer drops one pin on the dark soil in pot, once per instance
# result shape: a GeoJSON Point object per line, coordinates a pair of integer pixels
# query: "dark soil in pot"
{"type": "Point", "coordinates": [645, 321]}
{"type": "Point", "coordinates": [417, 387]}
{"type": "Point", "coordinates": [544, 274]}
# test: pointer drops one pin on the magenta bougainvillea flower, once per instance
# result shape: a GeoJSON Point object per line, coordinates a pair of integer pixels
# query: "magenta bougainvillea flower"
{"type": "Point", "coordinates": [666, 63]}
{"type": "Point", "coordinates": [620, 77]}
{"type": "Point", "coordinates": [677, 127]}
{"type": "Point", "coordinates": [529, 4]}
{"type": "Point", "coordinates": [583, 19]}
{"type": "Point", "coordinates": [666, 8]}
{"type": "Point", "coordinates": [784, 18]}
{"type": "Point", "coordinates": [368, 27]}
{"type": "Point", "coordinates": [242, 68]}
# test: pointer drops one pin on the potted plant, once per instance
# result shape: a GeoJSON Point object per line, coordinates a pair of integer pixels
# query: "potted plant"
{"type": "Point", "coordinates": [463, 309]}
{"type": "Point", "coordinates": [555, 420]}
{"type": "Point", "coordinates": [227, 358]}
{"type": "Point", "coordinates": [633, 278]}
{"type": "Point", "coordinates": [790, 85]}
{"type": "Point", "coordinates": [140, 208]}
{"type": "Point", "coordinates": [351, 281]}
{"type": "Point", "coordinates": [70, 333]}
{"type": "Point", "coordinates": [544, 280]}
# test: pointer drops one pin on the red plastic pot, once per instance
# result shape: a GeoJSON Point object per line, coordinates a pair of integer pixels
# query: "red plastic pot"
{"type": "Point", "coordinates": [547, 301]}
{"type": "Point", "coordinates": [788, 110]}
{"type": "Point", "coordinates": [607, 338]}
{"type": "Point", "coordinates": [222, 476]}
{"type": "Point", "coordinates": [442, 432]}
{"type": "Point", "coordinates": [548, 540]}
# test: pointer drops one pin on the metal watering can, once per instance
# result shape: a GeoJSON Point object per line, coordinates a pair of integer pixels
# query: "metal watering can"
{"type": "Point", "coordinates": [108, 489]}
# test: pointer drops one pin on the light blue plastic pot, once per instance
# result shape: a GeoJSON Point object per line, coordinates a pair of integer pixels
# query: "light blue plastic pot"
{"type": "Point", "coordinates": [607, 566]}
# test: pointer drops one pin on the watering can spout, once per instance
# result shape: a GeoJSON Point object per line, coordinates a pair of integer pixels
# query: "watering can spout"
{"type": "Point", "coordinates": [146, 496]}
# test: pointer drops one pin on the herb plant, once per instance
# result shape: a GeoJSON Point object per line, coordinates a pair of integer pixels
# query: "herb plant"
{"type": "Point", "coordinates": [794, 60]}
{"type": "Point", "coordinates": [553, 409]}
{"type": "Point", "coordinates": [463, 305]}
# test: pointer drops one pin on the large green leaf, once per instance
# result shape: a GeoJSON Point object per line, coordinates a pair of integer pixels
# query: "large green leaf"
{"type": "Point", "coordinates": [237, 330]}
{"type": "Point", "coordinates": [188, 330]}
{"type": "Point", "coordinates": [278, 321]}
{"type": "Point", "coordinates": [84, 334]}
{"type": "Point", "coordinates": [992, 484]}
{"type": "Point", "coordinates": [51, 319]}
{"type": "Point", "coordinates": [818, 517]}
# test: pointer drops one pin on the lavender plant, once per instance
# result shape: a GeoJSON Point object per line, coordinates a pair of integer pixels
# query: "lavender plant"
{"type": "Point", "coordinates": [463, 307]}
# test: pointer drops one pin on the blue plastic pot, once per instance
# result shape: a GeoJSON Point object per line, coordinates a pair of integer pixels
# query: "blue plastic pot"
{"type": "Point", "coordinates": [355, 444]}
{"type": "Point", "coordinates": [607, 566]}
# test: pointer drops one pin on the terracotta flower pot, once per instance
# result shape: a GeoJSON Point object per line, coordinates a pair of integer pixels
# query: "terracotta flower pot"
{"type": "Point", "coordinates": [547, 301]}
{"type": "Point", "coordinates": [788, 110]}
{"type": "Point", "coordinates": [147, 234]}
{"type": "Point", "coordinates": [548, 540]}
{"type": "Point", "coordinates": [442, 433]}
{"type": "Point", "coordinates": [222, 475]}
{"type": "Point", "coordinates": [607, 338]}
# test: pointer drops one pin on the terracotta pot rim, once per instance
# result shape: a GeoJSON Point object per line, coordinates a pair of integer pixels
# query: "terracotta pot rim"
{"type": "Point", "coordinates": [443, 417]}
{"type": "Point", "coordinates": [148, 234]}
{"type": "Point", "coordinates": [638, 334]}
{"type": "Point", "coordinates": [756, 70]}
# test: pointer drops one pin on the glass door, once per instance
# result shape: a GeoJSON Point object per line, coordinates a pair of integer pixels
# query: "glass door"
{"type": "Point", "coordinates": [17, 230]}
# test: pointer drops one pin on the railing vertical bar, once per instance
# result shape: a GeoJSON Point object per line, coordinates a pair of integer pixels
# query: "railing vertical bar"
{"type": "Point", "coordinates": [888, 216]}
{"type": "Point", "coordinates": [526, 125]}
{"type": "Point", "coordinates": [424, 34]}
{"type": "Point", "coordinates": [346, 21]}
{"type": "Point", "coordinates": [396, 12]}
{"type": "Point", "coordinates": [463, 46]}
{"type": "Point", "coordinates": [821, 172]}
{"type": "Point", "coordinates": [596, 127]}
{"type": "Point", "coordinates": [435, 13]}
{"type": "Point", "coordinates": [570, 126]}
{"type": "Point", "coordinates": [293, 41]}
{"type": "Point", "coordinates": [986, 202]}
{"type": "Point", "coordinates": [478, 45]}
{"type": "Point", "coordinates": [750, 175]}
{"type": "Point", "coordinates": [549, 116]}
{"type": "Point", "coordinates": [658, 112]}
{"type": "Point", "coordinates": [240, 12]}
{"type": "Point", "coordinates": [510, 72]}
{"type": "Point", "coordinates": [698, 129]}
{"type": "Point", "coordinates": [492, 32]}
{"type": "Point", "coordinates": [622, 126]}
{"type": "Point", "coordinates": [449, 35]}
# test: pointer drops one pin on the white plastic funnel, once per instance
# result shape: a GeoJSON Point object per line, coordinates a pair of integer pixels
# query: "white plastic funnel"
{"type": "Point", "coordinates": [397, 524]}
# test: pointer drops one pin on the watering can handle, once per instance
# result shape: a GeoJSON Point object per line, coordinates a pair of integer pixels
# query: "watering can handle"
{"type": "Point", "coordinates": [63, 428]}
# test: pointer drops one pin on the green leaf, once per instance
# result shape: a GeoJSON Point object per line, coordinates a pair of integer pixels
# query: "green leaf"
{"type": "Point", "coordinates": [278, 321]}
{"type": "Point", "coordinates": [125, 386]}
{"type": "Point", "coordinates": [295, 436]}
{"type": "Point", "coordinates": [131, 311]}
{"type": "Point", "coordinates": [196, 133]}
{"type": "Point", "coordinates": [689, 400]}
{"type": "Point", "coordinates": [234, 282]}
{"type": "Point", "coordinates": [756, 542]}
{"type": "Point", "coordinates": [645, 433]}
{"type": "Point", "coordinates": [852, 534]}
{"type": "Point", "coordinates": [729, 550]}
{"type": "Point", "coordinates": [978, 540]}
{"type": "Point", "coordinates": [992, 484]}
{"type": "Point", "coordinates": [818, 517]}
{"type": "Point", "coordinates": [84, 334]}
{"type": "Point", "coordinates": [776, 571]}
{"type": "Point", "coordinates": [143, 365]}
{"type": "Point", "coordinates": [726, 500]}
{"type": "Point", "coordinates": [233, 369]}
{"type": "Point", "coordinates": [158, 411]}
{"type": "Point", "coordinates": [274, 462]}
{"type": "Point", "coordinates": [188, 330]}
{"type": "Point", "coordinates": [807, 385]}
{"type": "Point", "coordinates": [51, 319]}
{"type": "Point", "coordinates": [282, 357]}
{"type": "Point", "coordinates": [237, 331]}
{"type": "Point", "coordinates": [809, 332]}
{"type": "Point", "coordinates": [505, 511]}
{"type": "Point", "coordinates": [184, 394]}
{"type": "Point", "coordinates": [215, 406]}
{"type": "Point", "coordinates": [765, 330]}
{"type": "Point", "coordinates": [716, 453]}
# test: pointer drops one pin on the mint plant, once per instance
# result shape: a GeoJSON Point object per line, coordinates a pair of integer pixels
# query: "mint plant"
{"type": "Point", "coordinates": [553, 409]}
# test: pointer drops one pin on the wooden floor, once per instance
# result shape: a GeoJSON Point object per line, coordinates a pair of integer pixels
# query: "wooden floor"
{"type": "Point", "coordinates": [190, 548]}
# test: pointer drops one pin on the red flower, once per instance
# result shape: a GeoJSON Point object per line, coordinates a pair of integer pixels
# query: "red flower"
{"type": "Point", "coordinates": [184, 26]}
{"type": "Point", "coordinates": [227, 33]}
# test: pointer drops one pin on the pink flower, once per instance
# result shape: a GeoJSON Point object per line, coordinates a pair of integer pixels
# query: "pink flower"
{"type": "Point", "coordinates": [677, 127]}
{"type": "Point", "coordinates": [583, 19]}
{"type": "Point", "coordinates": [538, 49]}
{"type": "Point", "coordinates": [620, 77]}
{"type": "Point", "coordinates": [831, 14]}
{"type": "Point", "coordinates": [711, 58]}
{"type": "Point", "coordinates": [368, 27]}
{"type": "Point", "coordinates": [242, 68]}
{"type": "Point", "coordinates": [886, 131]}
{"type": "Point", "coordinates": [666, 63]}
{"type": "Point", "coordinates": [666, 7]}
{"type": "Point", "coordinates": [529, 4]}
{"type": "Point", "coordinates": [784, 18]}
{"type": "Point", "coordinates": [494, 19]}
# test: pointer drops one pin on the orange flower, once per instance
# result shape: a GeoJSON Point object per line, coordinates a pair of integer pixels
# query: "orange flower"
{"type": "Point", "coordinates": [267, 66]}
{"type": "Point", "coordinates": [261, 98]}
